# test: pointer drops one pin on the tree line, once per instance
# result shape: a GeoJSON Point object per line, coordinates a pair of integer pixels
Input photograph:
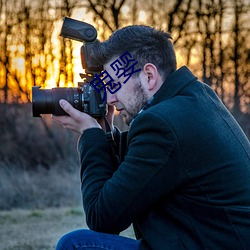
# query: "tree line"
{"type": "Point", "coordinates": [210, 36]}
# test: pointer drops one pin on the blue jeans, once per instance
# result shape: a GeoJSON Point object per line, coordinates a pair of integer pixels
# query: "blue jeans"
{"type": "Point", "coordinates": [87, 239]}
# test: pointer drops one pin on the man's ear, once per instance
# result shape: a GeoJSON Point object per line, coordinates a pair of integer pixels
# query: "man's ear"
{"type": "Point", "coordinates": [152, 75]}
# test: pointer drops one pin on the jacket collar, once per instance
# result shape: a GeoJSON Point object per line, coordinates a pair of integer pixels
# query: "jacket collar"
{"type": "Point", "coordinates": [173, 84]}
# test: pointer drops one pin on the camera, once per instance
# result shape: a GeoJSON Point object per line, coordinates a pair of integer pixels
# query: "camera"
{"type": "Point", "coordinates": [84, 98]}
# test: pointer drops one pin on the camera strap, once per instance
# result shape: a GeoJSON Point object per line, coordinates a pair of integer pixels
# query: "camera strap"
{"type": "Point", "coordinates": [109, 133]}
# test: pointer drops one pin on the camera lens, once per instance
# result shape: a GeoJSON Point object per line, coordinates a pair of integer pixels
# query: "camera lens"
{"type": "Point", "coordinates": [46, 101]}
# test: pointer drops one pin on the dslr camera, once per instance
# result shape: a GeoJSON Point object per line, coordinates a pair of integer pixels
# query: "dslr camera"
{"type": "Point", "coordinates": [84, 98]}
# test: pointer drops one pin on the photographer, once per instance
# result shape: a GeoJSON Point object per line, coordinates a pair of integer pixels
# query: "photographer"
{"type": "Point", "coordinates": [181, 174]}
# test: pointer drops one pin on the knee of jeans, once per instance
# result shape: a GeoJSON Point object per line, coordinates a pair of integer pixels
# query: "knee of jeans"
{"type": "Point", "coordinates": [62, 242]}
{"type": "Point", "coordinates": [66, 241]}
{"type": "Point", "coordinates": [69, 240]}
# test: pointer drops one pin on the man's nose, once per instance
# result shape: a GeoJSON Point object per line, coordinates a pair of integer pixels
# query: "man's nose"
{"type": "Point", "coordinates": [111, 98]}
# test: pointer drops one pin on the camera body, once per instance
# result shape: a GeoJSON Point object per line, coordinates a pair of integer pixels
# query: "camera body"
{"type": "Point", "coordinates": [84, 98]}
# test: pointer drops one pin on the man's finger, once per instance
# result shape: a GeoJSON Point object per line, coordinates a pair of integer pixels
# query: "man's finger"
{"type": "Point", "coordinates": [68, 108]}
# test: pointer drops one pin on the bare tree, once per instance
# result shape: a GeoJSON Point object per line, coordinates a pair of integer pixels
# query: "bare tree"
{"type": "Point", "coordinates": [66, 8]}
{"type": "Point", "coordinates": [203, 31]}
{"type": "Point", "coordinates": [239, 53]}
{"type": "Point", "coordinates": [216, 31]}
{"type": "Point", "coordinates": [4, 56]}
{"type": "Point", "coordinates": [11, 88]}
{"type": "Point", "coordinates": [210, 35]}
{"type": "Point", "coordinates": [107, 11]}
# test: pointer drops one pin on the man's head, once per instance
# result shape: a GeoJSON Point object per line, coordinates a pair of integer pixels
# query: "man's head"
{"type": "Point", "coordinates": [154, 52]}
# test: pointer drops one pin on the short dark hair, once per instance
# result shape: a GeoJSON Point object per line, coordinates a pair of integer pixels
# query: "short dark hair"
{"type": "Point", "coordinates": [144, 43]}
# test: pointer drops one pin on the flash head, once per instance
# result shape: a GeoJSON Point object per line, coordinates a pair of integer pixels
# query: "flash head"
{"type": "Point", "coordinates": [85, 33]}
{"type": "Point", "coordinates": [77, 30]}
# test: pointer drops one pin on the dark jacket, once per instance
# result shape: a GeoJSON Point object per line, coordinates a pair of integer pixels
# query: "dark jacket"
{"type": "Point", "coordinates": [185, 179]}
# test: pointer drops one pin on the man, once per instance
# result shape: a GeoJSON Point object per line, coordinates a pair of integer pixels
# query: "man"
{"type": "Point", "coordinates": [183, 174]}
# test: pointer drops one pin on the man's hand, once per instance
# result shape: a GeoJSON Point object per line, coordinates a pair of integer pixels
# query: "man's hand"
{"type": "Point", "coordinates": [76, 121]}
{"type": "Point", "coordinates": [79, 121]}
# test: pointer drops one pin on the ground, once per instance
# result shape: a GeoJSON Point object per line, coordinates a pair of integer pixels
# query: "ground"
{"type": "Point", "coordinates": [40, 229]}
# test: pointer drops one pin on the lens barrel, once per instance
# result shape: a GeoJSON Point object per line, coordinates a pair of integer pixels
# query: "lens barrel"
{"type": "Point", "coordinates": [46, 101]}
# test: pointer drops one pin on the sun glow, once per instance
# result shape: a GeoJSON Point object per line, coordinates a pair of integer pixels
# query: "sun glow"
{"type": "Point", "coordinates": [142, 17]}
{"type": "Point", "coordinates": [53, 62]}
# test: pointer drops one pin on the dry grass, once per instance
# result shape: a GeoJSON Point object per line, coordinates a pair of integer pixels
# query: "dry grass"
{"type": "Point", "coordinates": [39, 165]}
{"type": "Point", "coordinates": [40, 229]}
{"type": "Point", "coordinates": [39, 183]}
{"type": "Point", "coordinates": [41, 188]}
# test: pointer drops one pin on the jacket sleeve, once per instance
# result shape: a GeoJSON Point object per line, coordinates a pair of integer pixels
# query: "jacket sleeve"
{"type": "Point", "coordinates": [114, 198]}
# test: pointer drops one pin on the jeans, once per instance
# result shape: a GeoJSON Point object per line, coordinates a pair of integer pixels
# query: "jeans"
{"type": "Point", "coordinates": [87, 239]}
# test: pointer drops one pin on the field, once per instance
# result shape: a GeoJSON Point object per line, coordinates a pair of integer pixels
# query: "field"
{"type": "Point", "coordinates": [40, 229]}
